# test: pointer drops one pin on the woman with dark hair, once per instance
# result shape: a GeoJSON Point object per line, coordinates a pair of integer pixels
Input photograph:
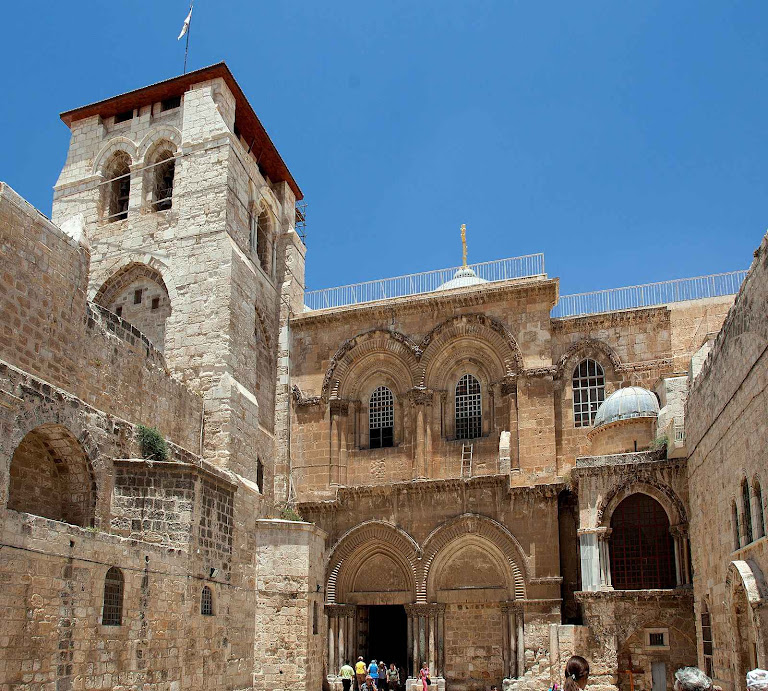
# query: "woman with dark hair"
{"type": "Point", "coordinates": [576, 673]}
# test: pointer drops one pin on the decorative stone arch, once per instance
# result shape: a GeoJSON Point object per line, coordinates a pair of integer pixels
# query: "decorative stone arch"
{"type": "Point", "coordinates": [155, 137]}
{"type": "Point", "coordinates": [746, 597]}
{"type": "Point", "coordinates": [455, 532]}
{"type": "Point", "coordinates": [99, 282]}
{"type": "Point", "coordinates": [591, 348]}
{"type": "Point", "coordinates": [479, 328]}
{"type": "Point", "coordinates": [111, 147]}
{"type": "Point", "coordinates": [361, 542]}
{"type": "Point", "coordinates": [663, 494]}
{"type": "Point", "coordinates": [378, 341]}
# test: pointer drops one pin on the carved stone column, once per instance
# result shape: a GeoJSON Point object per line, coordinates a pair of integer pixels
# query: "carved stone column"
{"type": "Point", "coordinates": [520, 643]}
{"type": "Point", "coordinates": [682, 563]}
{"type": "Point", "coordinates": [513, 653]}
{"type": "Point", "coordinates": [603, 536]}
{"type": "Point", "coordinates": [421, 401]}
{"type": "Point", "coordinates": [338, 411]}
{"type": "Point", "coordinates": [426, 637]}
{"type": "Point", "coordinates": [341, 621]}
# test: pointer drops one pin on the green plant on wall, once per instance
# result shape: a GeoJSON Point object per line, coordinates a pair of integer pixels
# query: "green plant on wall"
{"type": "Point", "coordinates": [660, 443]}
{"type": "Point", "coordinates": [152, 444]}
{"type": "Point", "coordinates": [289, 513]}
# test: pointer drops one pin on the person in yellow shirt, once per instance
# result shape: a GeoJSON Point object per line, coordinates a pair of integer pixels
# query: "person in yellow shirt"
{"type": "Point", "coordinates": [360, 671]}
{"type": "Point", "coordinates": [347, 674]}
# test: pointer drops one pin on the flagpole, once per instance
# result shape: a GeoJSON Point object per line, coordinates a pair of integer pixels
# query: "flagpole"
{"type": "Point", "coordinates": [189, 28]}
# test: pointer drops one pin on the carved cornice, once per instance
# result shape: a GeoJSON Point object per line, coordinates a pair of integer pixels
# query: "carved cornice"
{"type": "Point", "coordinates": [425, 609]}
{"type": "Point", "coordinates": [420, 396]}
{"type": "Point", "coordinates": [300, 400]}
{"type": "Point", "coordinates": [340, 611]}
{"type": "Point", "coordinates": [537, 372]}
{"type": "Point", "coordinates": [603, 319]}
{"type": "Point", "coordinates": [508, 385]}
{"type": "Point", "coordinates": [339, 406]}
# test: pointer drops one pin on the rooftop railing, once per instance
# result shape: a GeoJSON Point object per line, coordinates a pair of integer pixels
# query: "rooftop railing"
{"type": "Point", "coordinates": [426, 282]}
{"type": "Point", "coordinates": [649, 294]}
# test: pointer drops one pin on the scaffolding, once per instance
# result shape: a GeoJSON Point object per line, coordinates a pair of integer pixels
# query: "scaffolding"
{"type": "Point", "coordinates": [301, 220]}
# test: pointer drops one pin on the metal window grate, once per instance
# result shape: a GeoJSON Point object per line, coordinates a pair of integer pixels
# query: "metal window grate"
{"type": "Point", "coordinates": [112, 611]}
{"type": "Point", "coordinates": [206, 602]}
{"type": "Point", "coordinates": [468, 408]}
{"type": "Point", "coordinates": [642, 551]}
{"type": "Point", "coordinates": [588, 392]}
{"type": "Point", "coordinates": [656, 639]}
{"type": "Point", "coordinates": [381, 418]}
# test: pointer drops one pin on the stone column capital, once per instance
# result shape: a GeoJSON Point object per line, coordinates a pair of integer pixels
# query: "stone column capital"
{"type": "Point", "coordinates": [339, 406]}
{"type": "Point", "coordinates": [343, 610]}
{"type": "Point", "coordinates": [508, 385]}
{"type": "Point", "coordinates": [420, 396]}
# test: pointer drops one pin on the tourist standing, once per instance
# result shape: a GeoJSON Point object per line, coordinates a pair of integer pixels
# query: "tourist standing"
{"type": "Point", "coordinates": [424, 676]}
{"type": "Point", "coordinates": [347, 674]}
{"type": "Point", "coordinates": [373, 673]}
{"type": "Point", "coordinates": [382, 676]}
{"type": "Point", "coordinates": [367, 685]}
{"type": "Point", "coordinates": [360, 672]}
{"type": "Point", "coordinates": [393, 677]}
{"type": "Point", "coordinates": [576, 673]}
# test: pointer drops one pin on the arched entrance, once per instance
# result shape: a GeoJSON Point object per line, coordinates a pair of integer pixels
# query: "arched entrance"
{"type": "Point", "coordinates": [51, 476]}
{"type": "Point", "coordinates": [746, 597]}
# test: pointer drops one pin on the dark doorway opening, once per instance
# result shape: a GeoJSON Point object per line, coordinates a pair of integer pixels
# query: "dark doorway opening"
{"type": "Point", "coordinates": [387, 635]}
{"type": "Point", "coordinates": [567, 513]}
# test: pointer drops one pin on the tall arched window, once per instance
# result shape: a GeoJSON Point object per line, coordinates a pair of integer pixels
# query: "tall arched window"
{"type": "Point", "coordinates": [112, 610]}
{"type": "Point", "coordinates": [588, 392]}
{"type": "Point", "coordinates": [469, 416]}
{"type": "Point", "coordinates": [260, 238]}
{"type": "Point", "coordinates": [381, 418]}
{"type": "Point", "coordinates": [162, 188]}
{"type": "Point", "coordinates": [642, 550]}
{"type": "Point", "coordinates": [260, 475]}
{"type": "Point", "coordinates": [757, 493]}
{"type": "Point", "coordinates": [117, 186]}
{"type": "Point", "coordinates": [746, 507]}
{"type": "Point", "coordinates": [206, 602]}
{"type": "Point", "coordinates": [735, 523]}
{"type": "Point", "coordinates": [706, 638]}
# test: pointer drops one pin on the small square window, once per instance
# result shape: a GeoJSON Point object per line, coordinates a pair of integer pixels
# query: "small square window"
{"type": "Point", "coordinates": [119, 310]}
{"type": "Point", "coordinates": [170, 103]}
{"type": "Point", "coordinates": [656, 639]}
{"type": "Point", "coordinates": [124, 116]}
{"type": "Point", "coordinates": [155, 303]}
{"type": "Point", "coordinates": [137, 297]}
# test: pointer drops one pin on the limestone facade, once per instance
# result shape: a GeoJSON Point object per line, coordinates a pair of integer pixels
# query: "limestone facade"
{"type": "Point", "coordinates": [458, 506]}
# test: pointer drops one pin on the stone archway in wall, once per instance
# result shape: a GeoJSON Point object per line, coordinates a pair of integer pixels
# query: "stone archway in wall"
{"type": "Point", "coordinates": [51, 476]}
{"type": "Point", "coordinates": [746, 600]}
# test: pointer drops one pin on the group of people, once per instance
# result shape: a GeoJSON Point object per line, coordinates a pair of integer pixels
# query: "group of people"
{"type": "Point", "coordinates": [375, 676]}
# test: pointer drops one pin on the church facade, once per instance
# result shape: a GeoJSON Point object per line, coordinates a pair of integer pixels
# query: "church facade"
{"type": "Point", "coordinates": [208, 480]}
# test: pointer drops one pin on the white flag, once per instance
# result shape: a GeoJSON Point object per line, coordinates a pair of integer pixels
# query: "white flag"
{"type": "Point", "coordinates": [185, 28]}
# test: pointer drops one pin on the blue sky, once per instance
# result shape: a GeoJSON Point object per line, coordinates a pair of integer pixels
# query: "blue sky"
{"type": "Point", "coordinates": [625, 140]}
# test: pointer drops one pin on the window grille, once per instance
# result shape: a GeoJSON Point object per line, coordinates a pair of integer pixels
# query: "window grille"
{"type": "Point", "coordinates": [206, 602]}
{"type": "Point", "coordinates": [642, 550]}
{"type": "Point", "coordinates": [656, 639]}
{"type": "Point", "coordinates": [759, 515]}
{"type": "Point", "coordinates": [468, 408]}
{"type": "Point", "coordinates": [112, 611]}
{"type": "Point", "coordinates": [747, 508]}
{"type": "Point", "coordinates": [165, 170]}
{"type": "Point", "coordinates": [679, 433]}
{"type": "Point", "coordinates": [706, 638]}
{"type": "Point", "coordinates": [588, 392]}
{"type": "Point", "coordinates": [381, 418]}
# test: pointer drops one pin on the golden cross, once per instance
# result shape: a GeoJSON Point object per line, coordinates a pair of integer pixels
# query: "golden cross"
{"type": "Point", "coordinates": [463, 244]}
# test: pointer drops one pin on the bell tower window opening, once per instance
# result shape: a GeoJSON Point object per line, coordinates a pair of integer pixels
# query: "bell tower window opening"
{"type": "Point", "coordinates": [588, 392]}
{"type": "Point", "coordinates": [381, 418]}
{"type": "Point", "coordinates": [642, 550]}
{"type": "Point", "coordinates": [162, 192]}
{"type": "Point", "coordinates": [469, 421]}
{"type": "Point", "coordinates": [118, 187]}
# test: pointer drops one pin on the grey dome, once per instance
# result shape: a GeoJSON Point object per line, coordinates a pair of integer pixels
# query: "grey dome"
{"type": "Point", "coordinates": [633, 401]}
{"type": "Point", "coordinates": [462, 278]}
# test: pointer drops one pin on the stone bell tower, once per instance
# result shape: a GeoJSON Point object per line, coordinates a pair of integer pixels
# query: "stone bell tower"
{"type": "Point", "coordinates": [190, 214]}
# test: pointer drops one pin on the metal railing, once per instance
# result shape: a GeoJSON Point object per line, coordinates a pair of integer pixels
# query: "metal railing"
{"type": "Point", "coordinates": [649, 294]}
{"type": "Point", "coordinates": [426, 282]}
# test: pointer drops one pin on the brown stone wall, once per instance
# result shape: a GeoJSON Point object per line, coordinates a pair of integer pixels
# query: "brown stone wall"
{"type": "Point", "coordinates": [727, 438]}
{"type": "Point", "coordinates": [473, 646]}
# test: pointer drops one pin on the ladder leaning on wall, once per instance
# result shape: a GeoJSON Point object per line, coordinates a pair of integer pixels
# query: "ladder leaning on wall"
{"type": "Point", "coordinates": [466, 460]}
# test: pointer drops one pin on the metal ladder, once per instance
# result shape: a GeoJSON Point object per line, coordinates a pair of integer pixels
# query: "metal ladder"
{"type": "Point", "coordinates": [466, 460]}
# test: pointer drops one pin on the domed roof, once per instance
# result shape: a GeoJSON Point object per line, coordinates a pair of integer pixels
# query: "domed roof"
{"type": "Point", "coordinates": [462, 278]}
{"type": "Point", "coordinates": [633, 401]}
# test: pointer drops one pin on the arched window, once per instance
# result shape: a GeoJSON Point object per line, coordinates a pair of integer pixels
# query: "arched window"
{"type": "Point", "coordinates": [381, 418]}
{"type": "Point", "coordinates": [260, 475]}
{"type": "Point", "coordinates": [735, 522]}
{"type": "Point", "coordinates": [588, 392]}
{"type": "Point", "coordinates": [706, 638]}
{"type": "Point", "coordinates": [469, 416]}
{"type": "Point", "coordinates": [757, 493]}
{"type": "Point", "coordinates": [642, 550]}
{"type": "Point", "coordinates": [260, 238]}
{"type": "Point", "coordinates": [206, 602]}
{"type": "Point", "coordinates": [163, 174]}
{"type": "Point", "coordinates": [112, 611]}
{"type": "Point", "coordinates": [746, 507]}
{"type": "Point", "coordinates": [117, 186]}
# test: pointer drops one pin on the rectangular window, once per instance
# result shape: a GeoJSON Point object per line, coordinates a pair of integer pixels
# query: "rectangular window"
{"type": "Point", "coordinates": [155, 303]}
{"type": "Point", "coordinates": [124, 116]}
{"type": "Point", "coordinates": [119, 310]}
{"type": "Point", "coordinates": [170, 103]}
{"type": "Point", "coordinates": [137, 297]}
{"type": "Point", "coordinates": [656, 639]}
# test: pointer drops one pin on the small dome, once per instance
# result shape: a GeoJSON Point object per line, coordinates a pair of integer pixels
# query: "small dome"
{"type": "Point", "coordinates": [633, 401]}
{"type": "Point", "coordinates": [461, 279]}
